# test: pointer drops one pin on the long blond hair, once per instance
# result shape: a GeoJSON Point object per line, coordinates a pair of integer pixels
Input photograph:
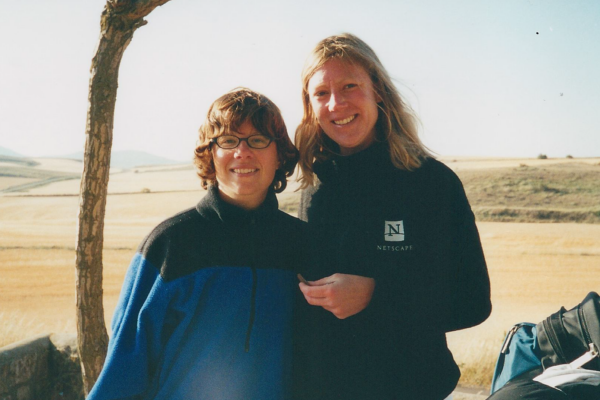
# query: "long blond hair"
{"type": "Point", "coordinates": [397, 123]}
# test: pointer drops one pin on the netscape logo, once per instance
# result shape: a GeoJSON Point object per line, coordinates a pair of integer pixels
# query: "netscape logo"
{"type": "Point", "coordinates": [394, 231]}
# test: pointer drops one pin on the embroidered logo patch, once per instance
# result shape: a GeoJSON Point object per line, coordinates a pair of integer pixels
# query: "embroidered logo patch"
{"type": "Point", "coordinates": [394, 231]}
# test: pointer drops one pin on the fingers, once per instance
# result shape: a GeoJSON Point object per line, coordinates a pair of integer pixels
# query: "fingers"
{"type": "Point", "coordinates": [343, 295]}
{"type": "Point", "coordinates": [323, 302]}
{"type": "Point", "coordinates": [316, 290]}
{"type": "Point", "coordinates": [317, 295]}
{"type": "Point", "coordinates": [325, 281]}
{"type": "Point", "coordinates": [313, 301]}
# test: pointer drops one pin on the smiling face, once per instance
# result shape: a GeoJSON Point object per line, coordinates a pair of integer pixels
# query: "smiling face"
{"type": "Point", "coordinates": [244, 174]}
{"type": "Point", "coordinates": [343, 100]}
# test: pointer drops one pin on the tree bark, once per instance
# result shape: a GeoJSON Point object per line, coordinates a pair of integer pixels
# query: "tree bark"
{"type": "Point", "coordinates": [119, 21]}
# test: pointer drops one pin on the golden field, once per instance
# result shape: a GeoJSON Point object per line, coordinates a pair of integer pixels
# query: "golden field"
{"type": "Point", "coordinates": [534, 268]}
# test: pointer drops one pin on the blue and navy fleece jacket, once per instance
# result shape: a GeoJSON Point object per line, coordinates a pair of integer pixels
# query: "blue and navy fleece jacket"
{"type": "Point", "coordinates": [206, 307]}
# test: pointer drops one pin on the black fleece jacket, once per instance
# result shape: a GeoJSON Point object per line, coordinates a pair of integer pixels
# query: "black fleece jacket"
{"type": "Point", "coordinates": [415, 234]}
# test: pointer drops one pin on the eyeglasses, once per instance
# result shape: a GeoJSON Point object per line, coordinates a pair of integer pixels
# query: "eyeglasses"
{"type": "Point", "coordinates": [231, 142]}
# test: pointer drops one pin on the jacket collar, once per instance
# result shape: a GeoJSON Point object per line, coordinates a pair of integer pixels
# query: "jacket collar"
{"type": "Point", "coordinates": [213, 208]}
{"type": "Point", "coordinates": [361, 166]}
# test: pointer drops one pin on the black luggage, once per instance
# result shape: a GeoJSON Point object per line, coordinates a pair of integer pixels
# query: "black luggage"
{"type": "Point", "coordinates": [564, 337]}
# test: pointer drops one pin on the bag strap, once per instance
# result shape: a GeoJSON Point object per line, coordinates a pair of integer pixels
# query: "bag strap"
{"type": "Point", "coordinates": [590, 321]}
{"type": "Point", "coordinates": [590, 308]}
{"type": "Point", "coordinates": [585, 358]}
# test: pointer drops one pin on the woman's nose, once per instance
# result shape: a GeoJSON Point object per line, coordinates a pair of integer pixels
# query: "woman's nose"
{"type": "Point", "coordinates": [336, 100]}
{"type": "Point", "coordinates": [243, 150]}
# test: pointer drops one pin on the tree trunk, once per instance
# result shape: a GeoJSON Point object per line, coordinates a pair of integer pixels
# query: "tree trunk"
{"type": "Point", "coordinates": [120, 19]}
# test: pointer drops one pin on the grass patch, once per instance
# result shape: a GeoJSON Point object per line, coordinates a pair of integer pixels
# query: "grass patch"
{"type": "Point", "coordinates": [15, 327]}
{"type": "Point", "coordinates": [478, 362]}
{"type": "Point", "coordinates": [535, 215]}
{"type": "Point", "coordinates": [553, 193]}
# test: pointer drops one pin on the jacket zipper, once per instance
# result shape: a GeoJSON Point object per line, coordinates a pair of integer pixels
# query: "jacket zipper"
{"type": "Point", "coordinates": [252, 310]}
{"type": "Point", "coordinates": [253, 295]}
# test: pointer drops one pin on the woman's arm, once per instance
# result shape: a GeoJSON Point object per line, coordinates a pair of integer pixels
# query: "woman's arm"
{"type": "Point", "coordinates": [132, 349]}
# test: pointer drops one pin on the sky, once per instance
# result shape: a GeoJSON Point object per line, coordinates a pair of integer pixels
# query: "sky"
{"type": "Point", "coordinates": [501, 78]}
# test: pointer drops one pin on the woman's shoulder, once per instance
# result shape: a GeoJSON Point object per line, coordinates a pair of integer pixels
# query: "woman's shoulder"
{"type": "Point", "coordinates": [174, 226]}
{"type": "Point", "coordinates": [181, 220]}
{"type": "Point", "coordinates": [434, 166]}
{"type": "Point", "coordinates": [433, 169]}
{"type": "Point", "coordinates": [433, 180]}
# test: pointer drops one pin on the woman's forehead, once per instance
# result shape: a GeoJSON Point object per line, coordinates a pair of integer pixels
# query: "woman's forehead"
{"type": "Point", "coordinates": [336, 70]}
{"type": "Point", "coordinates": [246, 128]}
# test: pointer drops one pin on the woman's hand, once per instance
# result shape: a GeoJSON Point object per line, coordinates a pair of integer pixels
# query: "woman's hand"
{"type": "Point", "coordinates": [341, 294]}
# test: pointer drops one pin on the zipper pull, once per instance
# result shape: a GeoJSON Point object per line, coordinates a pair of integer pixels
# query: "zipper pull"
{"type": "Point", "coordinates": [509, 337]}
{"type": "Point", "coordinates": [586, 357]}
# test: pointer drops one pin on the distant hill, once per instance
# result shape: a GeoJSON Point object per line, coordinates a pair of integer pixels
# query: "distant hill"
{"type": "Point", "coordinates": [565, 192]}
{"type": "Point", "coordinates": [8, 152]}
{"type": "Point", "coordinates": [21, 161]}
{"type": "Point", "coordinates": [128, 159]}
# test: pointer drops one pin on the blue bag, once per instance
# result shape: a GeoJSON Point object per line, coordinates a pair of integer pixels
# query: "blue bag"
{"type": "Point", "coordinates": [520, 353]}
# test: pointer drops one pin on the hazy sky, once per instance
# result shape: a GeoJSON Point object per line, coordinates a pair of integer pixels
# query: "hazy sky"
{"type": "Point", "coordinates": [488, 78]}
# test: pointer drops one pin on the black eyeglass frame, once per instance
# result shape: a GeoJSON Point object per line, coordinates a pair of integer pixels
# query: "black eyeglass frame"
{"type": "Point", "coordinates": [240, 140]}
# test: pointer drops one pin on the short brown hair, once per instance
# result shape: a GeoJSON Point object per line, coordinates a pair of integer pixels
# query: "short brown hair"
{"type": "Point", "coordinates": [397, 123]}
{"type": "Point", "coordinates": [227, 114]}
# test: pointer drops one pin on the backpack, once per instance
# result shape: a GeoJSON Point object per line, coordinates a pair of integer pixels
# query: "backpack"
{"type": "Point", "coordinates": [559, 339]}
{"type": "Point", "coordinates": [520, 353]}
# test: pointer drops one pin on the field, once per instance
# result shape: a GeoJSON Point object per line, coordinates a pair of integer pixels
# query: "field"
{"type": "Point", "coordinates": [534, 267]}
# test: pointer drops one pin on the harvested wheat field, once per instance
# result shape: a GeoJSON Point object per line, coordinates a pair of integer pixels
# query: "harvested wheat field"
{"type": "Point", "coordinates": [535, 268]}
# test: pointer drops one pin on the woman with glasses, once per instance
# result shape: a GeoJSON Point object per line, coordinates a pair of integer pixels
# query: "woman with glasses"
{"type": "Point", "coordinates": [207, 304]}
{"type": "Point", "coordinates": [401, 260]}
